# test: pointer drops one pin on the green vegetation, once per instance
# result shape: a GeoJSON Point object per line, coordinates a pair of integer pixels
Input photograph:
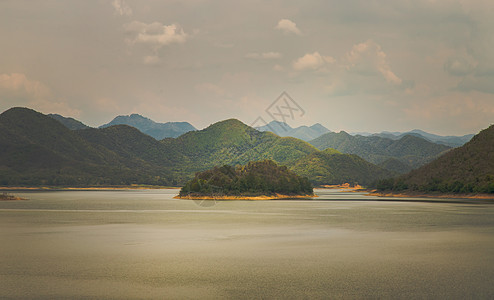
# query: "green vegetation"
{"type": "Point", "coordinates": [70, 123]}
{"type": "Point", "coordinates": [411, 151]}
{"type": "Point", "coordinates": [39, 151]}
{"type": "Point", "coordinates": [332, 167]}
{"type": "Point", "coordinates": [254, 179]}
{"type": "Point", "coordinates": [467, 169]}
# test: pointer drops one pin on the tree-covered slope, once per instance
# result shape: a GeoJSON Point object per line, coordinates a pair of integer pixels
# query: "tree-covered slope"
{"type": "Point", "coordinates": [70, 123]}
{"type": "Point", "coordinates": [332, 167]}
{"type": "Point", "coordinates": [411, 151]}
{"type": "Point", "coordinates": [466, 169]}
{"type": "Point", "coordinates": [232, 142]}
{"type": "Point", "coordinates": [254, 179]}
{"type": "Point", "coordinates": [38, 150]}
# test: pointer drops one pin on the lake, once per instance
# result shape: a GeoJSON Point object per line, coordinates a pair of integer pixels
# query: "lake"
{"type": "Point", "coordinates": [142, 244]}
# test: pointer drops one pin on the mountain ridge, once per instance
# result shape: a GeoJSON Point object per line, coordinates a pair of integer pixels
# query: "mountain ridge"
{"type": "Point", "coordinates": [467, 169]}
{"type": "Point", "coordinates": [158, 131]}
{"type": "Point", "coordinates": [411, 151]}
{"type": "Point", "coordinates": [305, 133]}
{"type": "Point", "coordinates": [42, 151]}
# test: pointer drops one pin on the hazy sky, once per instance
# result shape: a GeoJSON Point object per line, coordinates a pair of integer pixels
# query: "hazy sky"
{"type": "Point", "coordinates": [352, 65]}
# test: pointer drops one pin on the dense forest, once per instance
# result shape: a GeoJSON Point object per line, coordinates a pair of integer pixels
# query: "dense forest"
{"type": "Point", "coordinates": [396, 155]}
{"type": "Point", "coordinates": [38, 150]}
{"type": "Point", "coordinates": [254, 179]}
{"type": "Point", "coordinates": [467, 169]}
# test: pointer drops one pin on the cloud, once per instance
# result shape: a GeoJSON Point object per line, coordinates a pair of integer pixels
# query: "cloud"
{"type": "Point", "coordinates": [18, 90]}
{"type": "Point", "coordinates": [210, 89]}
{"type": "Point", "coordinates": [265, 55]}
{"type": "Point", "coordinates": [312, 61]}
{"type": "Point", "coordinates": [459, 66]}
{"type": "Point", "coordinates": [155, 34]}
{"type": "Point", "coordinates": [482, 84]}
{"type": "Point", "coordinates": [122, 8]}
{"type": "Point", "coordinates": [152, 60]}
{"type": "Point", "coordinates": [18, 85]}
{"type": "Point", "coordinates": [368, 59]}
{"type": "Point", "coordinates": [278, 68]}
{"type": "Point", "coordinates": [288, 27]}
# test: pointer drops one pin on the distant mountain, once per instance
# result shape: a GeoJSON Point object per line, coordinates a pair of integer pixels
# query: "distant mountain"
{"type": "Point", "coordinates": [411, 151]}
{"type": "Point", "coordinates": [332, 167]}
{"type": "Point", "coordinates": [232, 142]}
{"type": "Point", "coordinates": [452, 141]}
{"type": "Point", "coordinates": [467, 169]}
{"type": "Point", "coordinates": [38, 150]}
{"type": "Point", "coordinates": [158, 131]}
{"type": "Point", "coordinates": [70, 123]}
{"type": "Point", "coordinates": [304, 133]}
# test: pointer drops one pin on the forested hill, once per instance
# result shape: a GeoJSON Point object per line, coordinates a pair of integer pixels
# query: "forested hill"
{"type": "Point", "coordinates": [254, 179]}
{"type": "Point", "coordinates": [467, 169]}
{"type": "Point", "coordinates": [38, 150]}
{"type": "Point", "coordinates": [70, 123]}
{"type": "Point", "coordinates": [411, 151]}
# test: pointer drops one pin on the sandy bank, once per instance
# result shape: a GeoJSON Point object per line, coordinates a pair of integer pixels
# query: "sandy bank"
{"type": "Point", "coordinates": [422, 195]}
{"type": "Point", "coordinates": [262, 197]}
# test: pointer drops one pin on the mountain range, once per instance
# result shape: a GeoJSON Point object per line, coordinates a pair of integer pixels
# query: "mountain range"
{"type": "Point", "coordinates": [39, 150]}
{"type": "Point", "coordinates": [158, 131]}
{"type": "Point", "coordinates": [467, 169]}
{"type": "Point", "coordinates": [451, 141]}
{"type": "Point", "coordinates": [398, 155]}
{"type": "Point", "coordinates": [305, 133]}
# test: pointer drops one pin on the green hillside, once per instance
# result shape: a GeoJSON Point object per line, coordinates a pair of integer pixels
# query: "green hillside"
{"type": "Point", "coordinates": [232, 142]}
{"type": "Point", "coordinates": [332, 167]}
{"type": "Point", "coordinates": [467, 169]}
{"type": "Point", "coordinates": [70, 123]}
{"type": "Point", "coordinates": [38, 150]}
{"type": "Point", "coordinates": [411, 151]}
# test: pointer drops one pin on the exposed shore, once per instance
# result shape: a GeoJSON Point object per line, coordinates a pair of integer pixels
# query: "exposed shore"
{"type": "Point", "coordinates": [108, 188]}
{"type": "Point", "coordinates": [261, 197]}
{"type": "Point", "coordinates": [422, 195]}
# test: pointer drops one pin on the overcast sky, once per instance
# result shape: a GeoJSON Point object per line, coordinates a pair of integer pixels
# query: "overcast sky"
{"type": "Point", "coordinates": [349, 65]}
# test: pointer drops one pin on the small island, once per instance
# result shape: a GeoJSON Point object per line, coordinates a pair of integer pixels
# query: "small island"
{"type": "Point", "coordinates": [260, 180]}
{"type": "Point", "coordinates": [9, 197]}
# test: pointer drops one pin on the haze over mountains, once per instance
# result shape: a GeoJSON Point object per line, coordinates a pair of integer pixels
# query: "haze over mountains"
{"type": "Point", "coordinates": [452, 141]}
{"type": "Point", "coordinates": [157, 130]}
{"type": "Point", "coordinates": [38, 150]}
{"type": "Point", "coordinates": [467, 169]}
{"type": "Point", "coordinates": [399, 155]}
{"type": "Point", "coordinates": [305, 133]}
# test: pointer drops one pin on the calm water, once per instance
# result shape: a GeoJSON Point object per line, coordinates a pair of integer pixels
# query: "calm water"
{"type": "Point", "coordinates": [144, 244]}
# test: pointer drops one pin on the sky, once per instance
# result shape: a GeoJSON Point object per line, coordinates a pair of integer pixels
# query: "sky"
{"type": "Point", "coordinates": [357, 65]}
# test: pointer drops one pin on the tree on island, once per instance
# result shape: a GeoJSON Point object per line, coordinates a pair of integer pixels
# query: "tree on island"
{"type": "Point", "coordinates": [260, 178]}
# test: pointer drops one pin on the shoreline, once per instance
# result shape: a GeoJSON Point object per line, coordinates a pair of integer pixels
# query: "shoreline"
{"type": "Point", "coordinates": [262, 197]}
{"type": "Point", "coordinates": [423, 195]}
{"type": "Point", "coordinates": [109, 188]}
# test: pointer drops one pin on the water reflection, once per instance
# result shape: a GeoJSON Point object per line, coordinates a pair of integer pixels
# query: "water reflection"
{"type": "Point", "coordinates": [145, 244]}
